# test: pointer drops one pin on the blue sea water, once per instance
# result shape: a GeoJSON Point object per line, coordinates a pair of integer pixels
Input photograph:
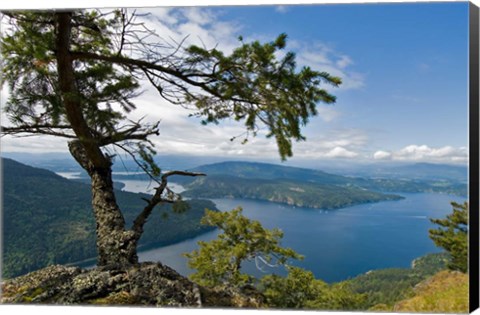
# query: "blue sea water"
{"type": "Point", "coordinates": [338, 244]}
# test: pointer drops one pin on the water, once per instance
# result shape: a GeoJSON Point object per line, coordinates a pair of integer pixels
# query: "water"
{"type": "Point", "coordinates": [336, 244]}
{"type": "Point", "coordinates": [69, 175]}
{"type": "Point", "coordinates": [142, 186]}
{"type": "Point", "coordinates": [136, 186]}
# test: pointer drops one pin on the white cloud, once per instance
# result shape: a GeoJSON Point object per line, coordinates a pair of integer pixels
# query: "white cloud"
{"type": "Point", "coordinates": [322, 57]}
{"type": "Point", "coordinates": [340, 152]}
{"type": "Point", "coordinates": [183, 135]}
{"type": "Point", "coordinates": [336, 143]}
{"type": "Point", "coordinates": [34, 144]}
{"type": "Point", "coordinates": [198, 16]}
{"type": "Point", "coordinates": [327, 114]}
{"type": "Point", "coordinates": [344, 62]}
{"type": "Point", "coordinates": [197, 26]}
{"type": "Point", "coordinates": [425, 153]}
{"type": "Point", "coordinates": [422, 151]}
{"type": "Point", "coordinates": [382, 155]}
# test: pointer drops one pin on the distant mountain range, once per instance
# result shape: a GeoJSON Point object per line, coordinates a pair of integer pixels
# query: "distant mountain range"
{"type": "Point", "coordinates": [63, 162]}
{"type": "Point", "coordinates": [47, 219]}
{"type": "Point", "coordinates": [417, 171]}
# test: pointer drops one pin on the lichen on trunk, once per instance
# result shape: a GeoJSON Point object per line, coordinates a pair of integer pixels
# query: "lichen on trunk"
{"type": "Point", "coordinates": [116, 246]}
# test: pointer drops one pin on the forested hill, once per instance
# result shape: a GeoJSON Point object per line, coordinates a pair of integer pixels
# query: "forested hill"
{"type": "Point", "coordinates": [252, 170]}
{"type": "Point", "coordinates": [247, 171]}
{"type": "Point", "coordinates": [300, 194]}
{"type": "Point", "coordinates": [47, 219]}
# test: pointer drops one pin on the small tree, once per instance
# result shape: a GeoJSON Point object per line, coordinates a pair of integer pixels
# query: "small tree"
{"type": "Point", "coordinates": [452, 235]}
{"type": "Point", "coordinates": [75, 74]}
{"type": "Point", "coordinates": [292, 291]}
{"type": "Point", "coordinates": [220, 261]}
{"type": "Point", "coordinates": [299, 289]}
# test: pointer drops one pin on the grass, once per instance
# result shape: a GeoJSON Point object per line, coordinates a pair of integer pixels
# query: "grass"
{"type": "Point", "coordinates": [445, 292]}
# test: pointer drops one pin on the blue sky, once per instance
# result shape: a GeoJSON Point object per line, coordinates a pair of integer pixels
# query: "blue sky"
{"type": "Point", "coordinates": [412, 60]}
{"type": "Point", "coordinates": [404, 67]}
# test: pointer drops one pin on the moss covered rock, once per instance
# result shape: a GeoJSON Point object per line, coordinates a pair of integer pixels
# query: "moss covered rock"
{"type": "Point", "coordinates": [150, 284]}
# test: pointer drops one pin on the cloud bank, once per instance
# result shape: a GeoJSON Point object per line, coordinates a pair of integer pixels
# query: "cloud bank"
{"type": "Point", "coordinates": [417, 153]}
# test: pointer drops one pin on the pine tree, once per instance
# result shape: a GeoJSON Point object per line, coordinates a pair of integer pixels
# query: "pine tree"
{"type": "Point", "coordinates": [452, 235]}
{"type": "Point", "coordinates": [220, 261]}
{"type": "Point", "coordinates": [75, 75]}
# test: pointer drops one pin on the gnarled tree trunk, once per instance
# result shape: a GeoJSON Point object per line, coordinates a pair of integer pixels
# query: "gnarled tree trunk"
{"type": "Point", "coordinates": [116, 246]}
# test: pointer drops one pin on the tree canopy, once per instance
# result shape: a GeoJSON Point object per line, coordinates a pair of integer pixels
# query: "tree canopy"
{"type": "Point", "coordinates": [452, 235]}
{"type": "Point", "coordinates": [220, 261]}
{"type": "Point", "coordinates": [299, 289]}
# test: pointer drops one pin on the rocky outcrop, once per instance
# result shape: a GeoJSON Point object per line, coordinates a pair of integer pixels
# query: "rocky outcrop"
{"type": "Point", "coordinates": [150, 284]}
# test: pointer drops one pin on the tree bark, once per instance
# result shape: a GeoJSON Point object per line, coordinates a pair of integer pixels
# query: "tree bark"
{"type": "Point", "coordinates": [116, 247]}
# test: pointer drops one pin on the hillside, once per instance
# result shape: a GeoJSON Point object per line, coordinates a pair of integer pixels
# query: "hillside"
{"type": "Point", "coordinates": [445, 292]}
{"type": "Point", "coordinates": [388, 286]}
{"type": "Point", "coordinates": [300, 194]}
{"type": "Point", "coordinates": [302, 187]}
{"type": "Point", "coordinates": [250, 170]}
{"type": "Point", "coordinates": [47, 219]}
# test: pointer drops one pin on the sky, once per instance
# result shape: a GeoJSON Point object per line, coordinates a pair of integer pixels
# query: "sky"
{"type": "Point", "coordinates": [404, 68]}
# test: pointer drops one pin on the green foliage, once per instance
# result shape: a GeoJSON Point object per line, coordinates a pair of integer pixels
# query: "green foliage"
{"type": "Point", "coordinates": [147, 162]}
{"type": "Point", "coordinates": [219, 261]}
{"type": "Point", "coordinates": [339, 297]}
{"type": "Point", "coordinates": [283, 99]}
{"type": "Point", "coordinates": [300, 290]}
{"type": "Point", "coordinates": [430, 264]}
{"type": "Point", "coordinates": [384, 287]}
{"type": "Point", "coordinates": [30, 69]}
{"type": "Point", "coordinates": [292, 291]}
{"type": "Point", "coordinates": [452, 235]}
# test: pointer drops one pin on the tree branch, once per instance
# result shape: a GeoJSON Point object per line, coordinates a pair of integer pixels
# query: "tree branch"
{"type": "Point", "coordinates": [187, 78]}
{"type": "Point", "coordinates": [132, 155]}
{"type": "Point", "coordinates": [136, 132]}
{"type": "Point", "coordinates": [181, 173]}
{"type": "Point", "coordinates": [45, 129]}
{"type": "Point", "coordinates": [158, 198]}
